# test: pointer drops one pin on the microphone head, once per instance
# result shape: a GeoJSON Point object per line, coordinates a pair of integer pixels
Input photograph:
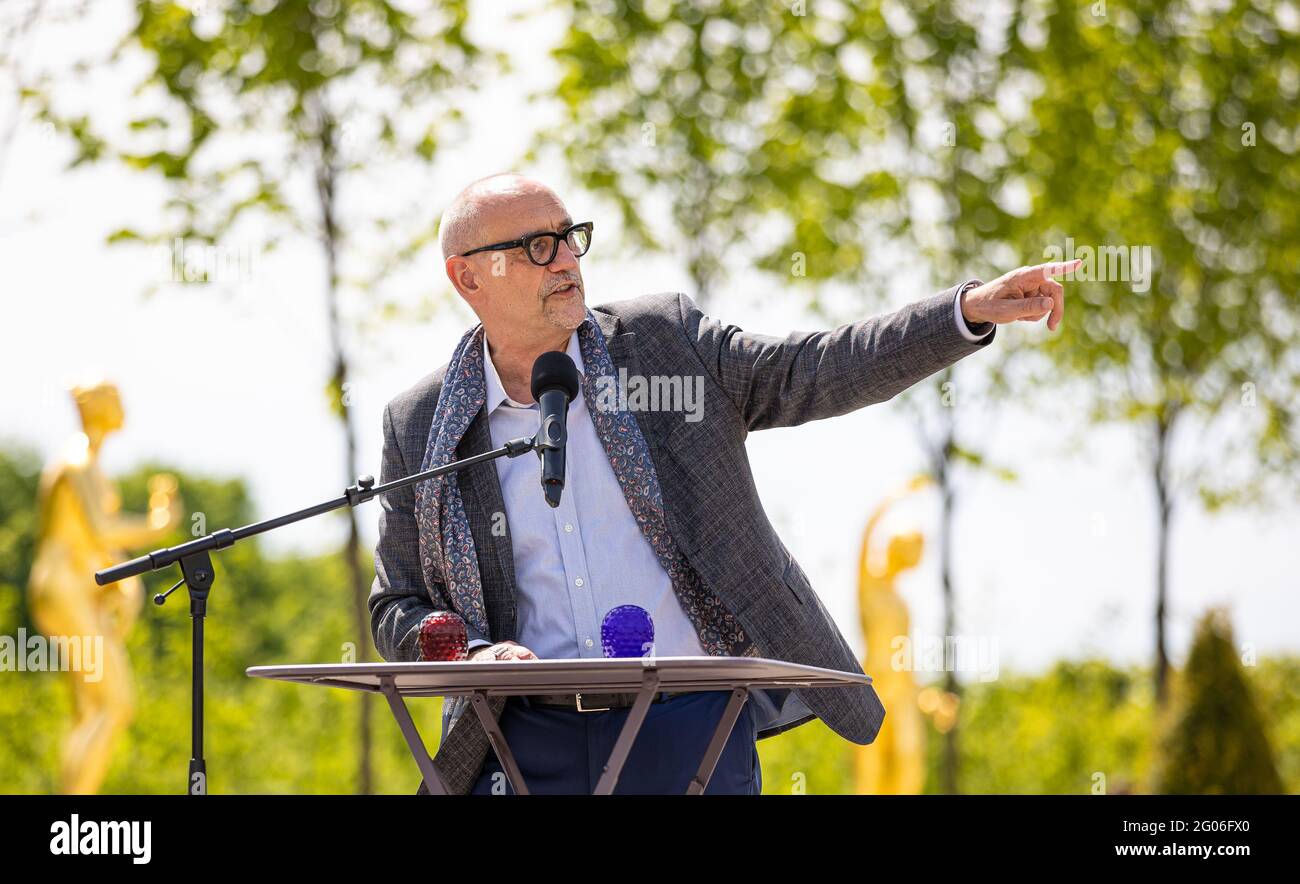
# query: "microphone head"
{"type": "Point", "coordinates": [443, 636]}
{"type": "Point", "coordinates": [555, 370]}
{"type": "Point", "coordinates": [627, 631]}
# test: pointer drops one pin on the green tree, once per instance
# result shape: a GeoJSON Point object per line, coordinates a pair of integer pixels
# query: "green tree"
{"type": "Point", "coordinates": [20, 473]}
{"type": "Point", "coordinates": [1080, 728]}
{"type": "Point", "coordinates": [1162, 149]}
{"type": "Point", "coordinates": [707, 111]}
{"type": "Point", "coordinates": [271, 110]}
{"type": "Point", "coordinates": [1216, 742]}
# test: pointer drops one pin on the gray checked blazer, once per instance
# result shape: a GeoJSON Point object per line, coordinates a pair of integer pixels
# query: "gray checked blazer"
{"type": "Point", "coordinates": [752, 382]}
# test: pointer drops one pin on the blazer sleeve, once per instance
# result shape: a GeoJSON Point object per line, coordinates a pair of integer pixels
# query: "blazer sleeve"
{"type": "Point", "coordinates": [806, 376]}
{"type": "Point", "coordinates": [400, 597]}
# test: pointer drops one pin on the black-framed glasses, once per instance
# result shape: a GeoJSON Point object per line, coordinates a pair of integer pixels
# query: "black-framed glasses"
{"type": "Point", "coordinates": [541, 248]}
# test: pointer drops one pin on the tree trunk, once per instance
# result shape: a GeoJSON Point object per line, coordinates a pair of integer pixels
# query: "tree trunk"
{"type": "Point", "coordinates": [1164, 511]}
{"type": "Point", "coordinates": [699, 249]}
{"type": "Point", "coordinates": [325, 185]}
{"type": "Point", "coordinates": [945, 564]}
{"type": "Point", "coordinates": [360, 592]}
{"type": "Point", "coordinates": [943, 470]}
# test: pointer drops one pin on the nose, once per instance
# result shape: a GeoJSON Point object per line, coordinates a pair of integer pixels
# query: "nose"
{"type": "Point", "coordinates": [564, 258]}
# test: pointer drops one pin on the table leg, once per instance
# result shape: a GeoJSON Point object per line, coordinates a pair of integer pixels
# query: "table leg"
{"type": "Point", "coordinates": [432, 781]}
{"type": "Point", "coordinates": [720, 736]}
{"type": "Point", "coordinates": [498, 741]}
{"type": "Point", "coordinates": [635, 717]}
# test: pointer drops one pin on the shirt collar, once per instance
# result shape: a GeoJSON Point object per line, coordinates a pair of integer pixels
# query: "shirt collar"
{"type": "Point", "coordinates": [496, 393]}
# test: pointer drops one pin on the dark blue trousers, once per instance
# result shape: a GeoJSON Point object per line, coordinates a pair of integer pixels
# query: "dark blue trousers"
{"type": "Point", "coordinates": [562, 752]}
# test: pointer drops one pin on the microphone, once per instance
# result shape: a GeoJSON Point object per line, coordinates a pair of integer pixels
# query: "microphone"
{"type": "Point", "coordinates": [627, 631]}
{"type": "Point", "coordinates": [443, 636]}
{"type": "Point", "coordinates": [555, 385]}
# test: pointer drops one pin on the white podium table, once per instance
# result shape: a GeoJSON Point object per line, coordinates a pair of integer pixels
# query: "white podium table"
{"type": "Point", "coordinates": [645, 676]}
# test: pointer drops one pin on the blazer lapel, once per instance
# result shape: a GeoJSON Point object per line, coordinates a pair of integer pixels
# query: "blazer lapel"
{"type": "Point", "coordinates": [481, 492]}
{"type": "Point", "coordinates": [624, 354]}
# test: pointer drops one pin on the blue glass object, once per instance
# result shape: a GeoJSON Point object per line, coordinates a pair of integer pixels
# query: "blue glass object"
{"type": "Point", "coordinates": [627, 631]}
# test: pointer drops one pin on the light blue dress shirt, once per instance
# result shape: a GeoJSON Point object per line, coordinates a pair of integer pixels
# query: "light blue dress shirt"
{"type": "Point", "coordinates": [575, 562]}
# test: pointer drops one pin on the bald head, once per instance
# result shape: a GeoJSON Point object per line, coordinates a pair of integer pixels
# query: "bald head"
{"type": "Point", "coordinates": [483, 206]}
{"type": "Point", "coordinates": [522, 305]}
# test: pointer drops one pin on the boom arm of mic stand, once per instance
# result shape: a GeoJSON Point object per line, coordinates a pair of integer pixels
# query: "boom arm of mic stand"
{"type": "Point", "coordinates": [365, 489]}
{"type": "Point", "coordinates": [198, 575]}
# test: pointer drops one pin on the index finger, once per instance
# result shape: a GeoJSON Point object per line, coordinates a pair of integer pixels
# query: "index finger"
{"type": "Point", "coordinates": [1058, 268]}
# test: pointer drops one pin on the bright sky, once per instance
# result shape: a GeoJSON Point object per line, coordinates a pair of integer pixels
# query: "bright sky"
{"type": "Point", "coordinates": [230, 382]}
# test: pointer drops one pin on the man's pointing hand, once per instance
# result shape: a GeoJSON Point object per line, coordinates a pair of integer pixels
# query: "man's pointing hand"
{"type": "Point", "coordinates": [1026, 293]}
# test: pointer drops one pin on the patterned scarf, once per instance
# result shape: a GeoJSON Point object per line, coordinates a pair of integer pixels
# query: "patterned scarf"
{"type": "Point", "coordinates": [447, 553]}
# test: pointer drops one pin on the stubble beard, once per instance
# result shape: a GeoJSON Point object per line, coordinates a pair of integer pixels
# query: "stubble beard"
{"type": "Point", "coordinates": [566, 313]}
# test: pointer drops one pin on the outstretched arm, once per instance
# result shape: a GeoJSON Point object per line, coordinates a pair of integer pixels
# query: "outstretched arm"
{"type": "Point", "coordinates": [783, 382]}
{"type": "Point", "coordinates": [116, 529]}
{"type": "Point", "coordinates": [873, 521]}
{"type": "Point", "coordinates": [805, 376]}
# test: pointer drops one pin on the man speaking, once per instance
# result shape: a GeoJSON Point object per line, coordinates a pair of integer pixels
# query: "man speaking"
{"type": "Point", "coordinates": [658, 507]}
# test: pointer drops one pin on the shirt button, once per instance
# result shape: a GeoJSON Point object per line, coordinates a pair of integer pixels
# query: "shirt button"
{"type": "Point", "coordinates": [578, 582]}
{"type": "Point", "coordinates": [589, 643]}
{"type": "Point", "coordinates": [568, 528]}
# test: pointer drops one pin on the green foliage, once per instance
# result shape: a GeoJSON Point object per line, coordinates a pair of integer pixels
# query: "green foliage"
{"type": "Point", "coordinates": [261, 736]}
{"type": "Point", "coordinates": [1169, 125]}
{"type": "Point", "coordinates": [1086, 727]}
{"type": "Point", "coordinates": [1161, 125]}
{"type": "Point", "coordinates": [1216, 742]}
{"type": "Point", "coordinates": [273, 110]}
{"type": "Point", "coordinates": [289, 66]}
{"type": "Point", "coordinates": [1078, 726]}
{"type": "Point", "coordinates": [1161, 135]}
{"type": "Point", "coordinates": [1052, 733]}
{"type": "Point", "coordinates": [1276, 686]}
{"type": "Point", "coordinates": [832, 134]}
{"type": "Point", "coordinates": [20, 473]}
{"type": "Point", "coordinates": [734, 115]}
{"type": "Point", "coordinates": [810, 760]}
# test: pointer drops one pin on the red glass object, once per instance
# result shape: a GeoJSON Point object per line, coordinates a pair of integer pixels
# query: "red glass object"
{"type": "Point", "coordinates": [443, 637]}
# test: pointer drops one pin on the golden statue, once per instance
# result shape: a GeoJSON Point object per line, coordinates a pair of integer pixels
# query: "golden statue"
{"type": "Point", "coordinates": [79, 531]}
{"type": "Point", "coordinates": [895, 763]}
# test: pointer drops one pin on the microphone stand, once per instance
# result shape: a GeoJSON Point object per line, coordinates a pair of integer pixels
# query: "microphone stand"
{"type": "Point", "coordinates": [197, 573]}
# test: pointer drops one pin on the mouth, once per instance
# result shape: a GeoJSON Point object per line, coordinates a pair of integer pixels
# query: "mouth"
{"type": "Point", "coordinates": [568, 289]}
